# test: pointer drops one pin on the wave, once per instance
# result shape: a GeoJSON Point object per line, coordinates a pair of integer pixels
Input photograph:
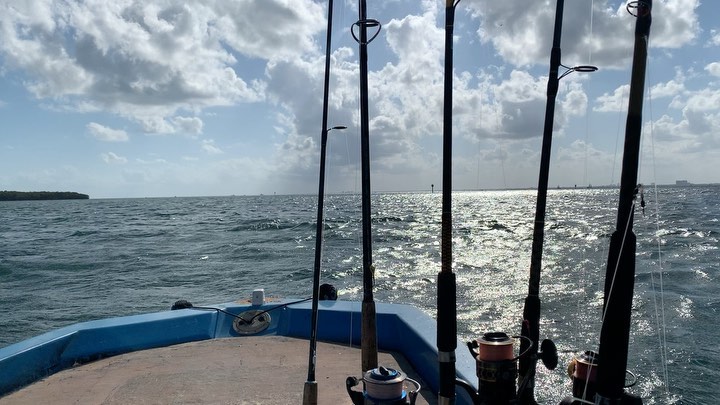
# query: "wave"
{"type": "Point", "coordinates": [80, 233]}
{"type": "Point", "coordinates": [270, 225]}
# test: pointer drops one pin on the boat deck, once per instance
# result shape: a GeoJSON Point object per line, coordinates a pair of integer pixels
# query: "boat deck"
{"type": "Point", "coordinates": [246, 370]}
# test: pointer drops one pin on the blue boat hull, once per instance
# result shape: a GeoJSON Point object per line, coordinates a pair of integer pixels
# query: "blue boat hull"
{"type": "Point", "coordinates": [401, 328]}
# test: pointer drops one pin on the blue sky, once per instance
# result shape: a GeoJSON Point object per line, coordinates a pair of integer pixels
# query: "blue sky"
{"type": "Point", "coordinates": [183, 98]}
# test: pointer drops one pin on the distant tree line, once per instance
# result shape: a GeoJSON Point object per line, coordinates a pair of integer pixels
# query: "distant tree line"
{"type": "Point", "coordinates": [41, 195]}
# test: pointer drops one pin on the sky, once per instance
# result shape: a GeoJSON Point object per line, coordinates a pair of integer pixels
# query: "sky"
{"type": "Point", "coordinates": [159, 98]}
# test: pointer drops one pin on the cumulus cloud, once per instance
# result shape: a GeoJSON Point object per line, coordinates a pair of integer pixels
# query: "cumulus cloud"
{"type": "Point", "coordinates": [112, 158]}
{"type": "Point", "coordinates": [714, 37]}
{"type": "Point", "coordinates": [613, 102]}
{"type": "Point", "coordinates": [165, 64]}
{"type": "Point", "coordinates": [146, 60]}
{"type": "Point", "coordinates": [522, 99]}
{"type": "Point", "coordinates": [689, 135]}
{"type": "Point", "coordinates": [298, 152]}
{"type": "Point", "coordinates": [713, 69]}
{"type": "Point", "coordinates": [522, 31]}
{"type": "Point", "coordinates": [275, 29]}
{"type": "Point", "coordinates": [583, 154]}
{"type": "Point", "coordinates": [104, 133]}
{"type": "Point", "coordinates": [679, 25]}
{"type": "Point", "coordinates": [208, 145]}
{"type": "Point", "coordinates": [407, 99]}
{"type": "Point", "coordinates": [674, 88]}
{"type": "Point", "coordinates": [514, 107]}
{"type": "Point", "coordinates": [408, 93]}
{"type": "Point", "coordinates": [696, 131]}
{"type": "Point", "coordinates": [574, 101]}
{"type": "Point", "coordinates": [705, 100]}
{"type": "Point", "coordinates": [190, 125]}
{"type": "Point", "coordinates": [668, 89]}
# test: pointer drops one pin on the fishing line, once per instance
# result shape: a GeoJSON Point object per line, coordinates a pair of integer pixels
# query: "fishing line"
{"type": "Point", "coordinates": [592, 13]}
{"type": "Point", "coordinates": [617, 263]}
{"type": "Point", "coordinates": [621, 101]}
{"type": "Point", "coordinates": [614, 276]}
{"type": "Point", "coordinates": [587, 140]}
{"type": "Point", "coordinates": [659, 315]}
{"type": "Point", "coordinates": [498, 118]}
{"type": "Point", "coordinates": [355, 199]}
{"type": "Point", "coordinates": [587, 331]}
{"type": "Point", "coordinates": [663, 339]}
{"type": "Point", "coordinates": [612, 286]}
{"type": "Point", "coordinates": [642, 139]}
{"type": "Point", "coordinates": [598, 291]}
{"type": "Point", "coordinates": [342, 28]}
{"type": "Point", "coordinates": [587, 117]}
{"type": "Point", "coordinates": [191, 306]}
{"type": "Point", "coordinates": [584, 298]}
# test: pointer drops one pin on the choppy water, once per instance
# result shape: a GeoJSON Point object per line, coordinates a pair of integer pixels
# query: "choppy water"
{"type": "Point", "coordinates": [67, 261]}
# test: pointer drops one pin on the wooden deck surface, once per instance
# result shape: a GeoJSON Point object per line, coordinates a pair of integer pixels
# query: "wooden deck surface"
{"type": "Point", "coordinates": [247, 370]}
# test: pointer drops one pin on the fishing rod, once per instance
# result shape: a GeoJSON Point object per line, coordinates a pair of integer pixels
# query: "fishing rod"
{"type": "Point", "coordinates": [599, 377]}
{"type": "Point", "coordinates": [446, 289]}
{"type": "Point", "coordinates": [497, 366]}
{"type": "Point", "coordinates": [620, 274]}
{"type": "Point", "coordinates": [531, 311]}
{"type": "Point", "coordinates": [381, 385]}
{"type": "Point", "coordinates": [368, 334]}
{"type": "Point", "coordinates": [310, 393]}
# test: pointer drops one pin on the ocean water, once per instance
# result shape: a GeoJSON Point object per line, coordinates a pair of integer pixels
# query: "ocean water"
{"type": "Point", "coordinates": [63, 262]}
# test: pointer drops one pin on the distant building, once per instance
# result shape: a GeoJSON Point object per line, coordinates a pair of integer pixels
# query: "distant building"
{"type": "Point", "coordinates": [682, 183]}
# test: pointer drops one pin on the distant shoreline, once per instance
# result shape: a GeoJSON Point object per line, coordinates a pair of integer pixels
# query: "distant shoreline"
{"type": "Point", "coordinates": [41, 195]}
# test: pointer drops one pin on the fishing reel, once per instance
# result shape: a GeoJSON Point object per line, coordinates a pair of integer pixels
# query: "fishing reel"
{"type": "Point", "coordinates": [583, 371]}
{"type": "Point", "coordinates": [383, 386]}
{"type": "Point", "coordinates": [497, 366]}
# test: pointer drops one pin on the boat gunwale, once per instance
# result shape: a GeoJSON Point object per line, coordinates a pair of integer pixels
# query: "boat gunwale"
{"type": "Point", "coordinates": [401, 328]}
